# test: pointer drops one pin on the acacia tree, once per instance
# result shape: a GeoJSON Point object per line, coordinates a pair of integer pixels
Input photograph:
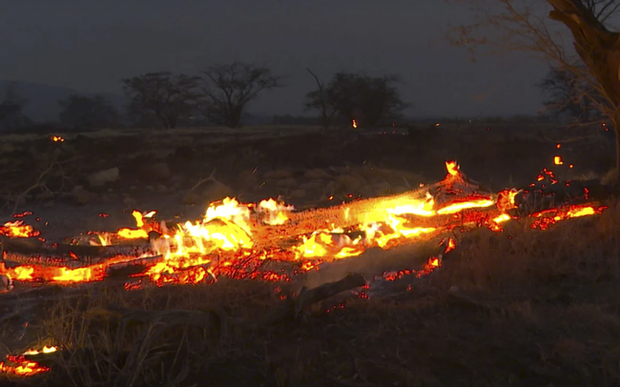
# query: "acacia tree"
{"type": "Point", "coordinates": [545, 29]}
{"type": "Point", "coordinates": [568, 93]}
{"type": "Point", "coordinates": [162, 96]}
{"type": "Point", "coordinates": [368, 100]}
{"type": "Point", "coordinates": [228, 88]}
{"type": "Point", "coordinates": [84, 112]}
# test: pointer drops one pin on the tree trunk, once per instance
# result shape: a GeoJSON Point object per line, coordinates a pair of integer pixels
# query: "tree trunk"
{"type": "Point", "coordinates": [599, 49]}
{"type": "Point", "coordinates": [616, 124]}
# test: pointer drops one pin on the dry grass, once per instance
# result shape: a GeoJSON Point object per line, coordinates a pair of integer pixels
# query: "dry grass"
{"type": "Point", "coordinates": [522, 308]}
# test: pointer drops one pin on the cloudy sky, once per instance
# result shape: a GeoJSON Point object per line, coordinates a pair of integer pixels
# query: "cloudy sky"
{"type": "Point", "coordinates": [89, 45]}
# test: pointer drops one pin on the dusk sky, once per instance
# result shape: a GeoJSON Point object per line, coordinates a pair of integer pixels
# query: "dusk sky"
{"type": "Point", "coordinates": [91, 45]}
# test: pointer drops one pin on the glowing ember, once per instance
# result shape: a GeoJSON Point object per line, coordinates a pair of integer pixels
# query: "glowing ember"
{"type": "Point", "coordinates": [506, 199]}
{"type": "Point", "coordinates": [450, 245]}
{"type": "Point", "coordinates": [18, 229]}
{"type": "Point", "coordinates": [557, 160]}
{"type": "Point", "coordinates": [57, 139]}
{"type": "Point", "coordinates": [19, 365]}
{"type": "Point", "coordinates": [354, 123]}
{"type": "Point", "coordinates": [552, 216]}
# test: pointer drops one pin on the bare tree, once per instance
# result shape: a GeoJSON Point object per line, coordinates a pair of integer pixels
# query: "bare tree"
{"type": "Point", "coordinates": [228, 88]}
{"type": "Point", "coordinates": [368, 100]}
{"type": "Point", "coordinates": [162, 96]}
{"type": "Point", "coordinates": [569, 94]}
{"type": "Point", "coordinates": [531, 26]}
{"type": "Point", "coordinates": [318, 100]}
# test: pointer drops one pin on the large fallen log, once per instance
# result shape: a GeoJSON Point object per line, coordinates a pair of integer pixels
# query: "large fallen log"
{"type": "Point", "coordinates": [421, 207]}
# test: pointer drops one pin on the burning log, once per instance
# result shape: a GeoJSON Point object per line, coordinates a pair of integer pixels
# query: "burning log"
{"type": "Point", "coordinates": [548, 192]}
{"type": "Point", "coordinates": [432, 206]}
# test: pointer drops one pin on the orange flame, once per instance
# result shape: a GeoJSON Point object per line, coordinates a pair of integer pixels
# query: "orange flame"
{"type": "Point", "coordinates": [354, 123]}
{"type": "Point", "coordinates": [18, 229]}
{"type": "Point", "coordinates": [57, 139]}
{"type": "Point", "coordinates": [452, 167]}
{"type": "Point", "coordinates": [21, 366]}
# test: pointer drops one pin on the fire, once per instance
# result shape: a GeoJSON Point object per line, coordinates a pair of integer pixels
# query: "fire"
{"type": "Point", "coordinates": [234, 239]}
{"type": "Point", "coordinates": [141, 232]}
{"type": "Point", "coordinates": [557, 160]}
{"type": "Point", "coordinates": [324, 243]}
{"type": "Point", "coordinates": [354, 123]}
{"type": "Point", "coordinates": [18, 229]}
{"type": "Point", "coordinates": [19, 365]}
{"type": "Point", "coordinates": [452, 167]}
{"type": "Point", "coordinates": [45, 349]}
{"type": "Point", "coordinates": [552, 216]}
{"type": "Point", "coordinates": [450, 245]}
{"type": "Point", "coordinates": [396, 230]}
{"type": "Point", "coordinates": [57, 139]}
{"type": "Point", "coordinates": [128, 233]}
{"type": "Point", "coordinates": [506, 199]}
{"type": "Point", "coordinates": [22, 366]}
{"type": "Point", "coordinates": [276, 213]}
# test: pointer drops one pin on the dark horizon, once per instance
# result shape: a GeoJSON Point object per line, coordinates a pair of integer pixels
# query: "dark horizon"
{"type": "Point", "coordinates": [90, 48]}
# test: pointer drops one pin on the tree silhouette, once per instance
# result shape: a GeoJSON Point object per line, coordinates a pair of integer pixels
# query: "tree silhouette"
{"type": "Point", "coordinates": [532, 27]}
{"type": "Point", "coordinates": [228, 88]}
{"type": "Point", "coordinates": [162, 96]}
{"type": "Point", "coordinates": [568, 93]}
{"type": "Point", "coordinates": [368, 100]}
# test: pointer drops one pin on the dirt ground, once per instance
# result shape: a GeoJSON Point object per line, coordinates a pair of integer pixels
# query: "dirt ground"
{"type": "Point", "coordinates": [521, 308]}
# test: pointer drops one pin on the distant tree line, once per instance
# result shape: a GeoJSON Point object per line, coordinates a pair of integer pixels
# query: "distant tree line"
{"type": "Point", "coordinates": [219, 95]}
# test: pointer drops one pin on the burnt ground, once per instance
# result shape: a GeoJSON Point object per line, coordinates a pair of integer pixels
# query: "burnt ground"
{"type": "Point", "coordinates": [519, 309]}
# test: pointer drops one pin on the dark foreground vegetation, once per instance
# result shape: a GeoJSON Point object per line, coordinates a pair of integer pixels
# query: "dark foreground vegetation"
{"type": "Point", "coordinates": [519, 308]}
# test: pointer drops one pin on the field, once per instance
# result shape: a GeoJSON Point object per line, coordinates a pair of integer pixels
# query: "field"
{"type": "Point", "coordinates": [518, 308]}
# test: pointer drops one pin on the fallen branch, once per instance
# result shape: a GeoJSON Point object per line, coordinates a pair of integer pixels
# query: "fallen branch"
{"type": "Point", "coordinates": [202, 181]}
{"type": "Point", "coordinates": [40, 182]}
{"type": "Point", "coordinates": [292, 308]}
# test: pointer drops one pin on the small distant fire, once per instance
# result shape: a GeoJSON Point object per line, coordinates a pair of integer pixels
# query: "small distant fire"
{"type": "Point", "coordinates": [354, 123]}
{"type": "Point", "coordinates": [557, 160]}
{"type": "Point", "coordinates": [57, 139]}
